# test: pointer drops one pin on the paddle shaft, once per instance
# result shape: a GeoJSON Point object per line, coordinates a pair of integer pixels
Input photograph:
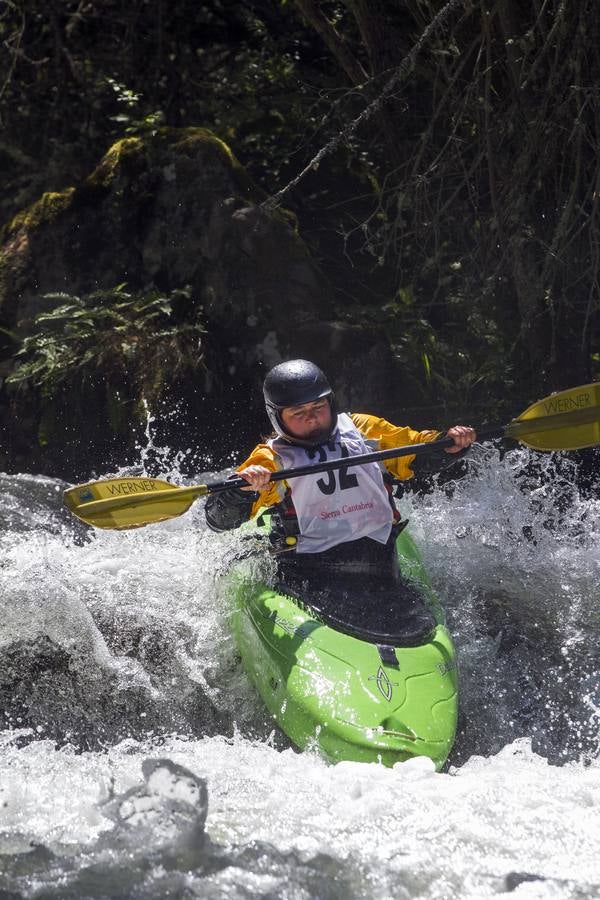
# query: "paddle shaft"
{"type": "Point", "coordinates": [514, 429]}
{"type": "Point", "coordinates": [183, 494]}
{"type": "Point", "coordinates": [569, 420]}
{"type": "Point", "coordinates": [360, 460]}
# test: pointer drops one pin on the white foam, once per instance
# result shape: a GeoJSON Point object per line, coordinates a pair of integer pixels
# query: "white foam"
{"type": "Point", "coordinates": [413, 832]}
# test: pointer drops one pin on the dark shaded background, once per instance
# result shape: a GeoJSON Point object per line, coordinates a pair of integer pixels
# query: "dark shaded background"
{"type": "Point", "coordinates": [460, 217]}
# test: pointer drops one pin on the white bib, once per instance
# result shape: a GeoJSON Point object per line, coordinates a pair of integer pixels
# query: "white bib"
{"type": "Point", "coordinates": [338, 506]}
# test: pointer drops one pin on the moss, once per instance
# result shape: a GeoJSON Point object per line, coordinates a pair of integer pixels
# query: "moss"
{"type": "Point", "coordinates": [189, 141]}
{"type": "Point", "coordinates": [185, 141]}
{"type": "Point", "coordinates": [4, 267]}
{"type": "Point", "coordinates": [124, 150]}
{"type": "Point", "coordinates": [43, 211]}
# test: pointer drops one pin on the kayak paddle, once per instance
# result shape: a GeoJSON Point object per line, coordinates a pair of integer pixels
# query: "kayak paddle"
{"type": "Point", "coordinates": [569, 420]}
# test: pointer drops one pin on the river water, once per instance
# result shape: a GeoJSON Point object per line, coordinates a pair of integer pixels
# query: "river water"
{"type": "Point", "coordinates": [116, 652]}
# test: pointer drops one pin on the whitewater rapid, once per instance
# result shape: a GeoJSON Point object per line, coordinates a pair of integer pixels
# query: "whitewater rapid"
{"type": "Point", "coordinates": [115, 648]}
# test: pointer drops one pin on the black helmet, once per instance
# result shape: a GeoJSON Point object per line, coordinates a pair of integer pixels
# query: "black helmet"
{"type": "Point", "coordinates": [293, 383]}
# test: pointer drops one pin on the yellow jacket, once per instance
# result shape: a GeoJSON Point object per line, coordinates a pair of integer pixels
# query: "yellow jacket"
{"type": "Point", "coordinates": [378, 434]}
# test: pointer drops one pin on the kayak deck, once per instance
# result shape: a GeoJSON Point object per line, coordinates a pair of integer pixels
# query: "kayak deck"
{"type": "Point", "coordinates": [357, 675]}
{"type": "Point", "coordinates": [398, 618]}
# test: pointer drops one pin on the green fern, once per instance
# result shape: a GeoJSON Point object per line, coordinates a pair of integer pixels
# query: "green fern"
{"type": "Point", "coordinates": [114, 325]}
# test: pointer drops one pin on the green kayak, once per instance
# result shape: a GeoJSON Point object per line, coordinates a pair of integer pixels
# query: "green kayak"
{"type": "Point", "coordinates": [370, 679]}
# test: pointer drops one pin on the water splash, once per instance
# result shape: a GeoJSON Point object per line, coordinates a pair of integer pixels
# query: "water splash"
{"type": "Point", "coordinates": [156, 458]}
{"type": "Point", "coordinates": [116, 647]}
{"type": "Point", "coordinates": [514, 553]}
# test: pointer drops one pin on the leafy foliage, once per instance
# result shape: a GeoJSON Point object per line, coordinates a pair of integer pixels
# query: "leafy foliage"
{"type": "Point", "coordinates": [142, 335]}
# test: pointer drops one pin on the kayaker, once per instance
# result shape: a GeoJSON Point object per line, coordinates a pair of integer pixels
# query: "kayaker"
{"type": "Point", "coordinates": [345, 517]}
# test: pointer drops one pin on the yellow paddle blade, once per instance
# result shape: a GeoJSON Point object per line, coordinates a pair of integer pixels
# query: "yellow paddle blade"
{"type": "Point", "coordinates": [120, 503]}
{"type": "Point", "coordinates": [568, 420]}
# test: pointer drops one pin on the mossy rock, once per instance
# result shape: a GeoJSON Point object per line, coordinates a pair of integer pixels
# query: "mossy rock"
{"type": "Point", "coordinates": [133, 154]}
{"type": "Point", "coordinates": [43, 211]}
{"type": "Point", "coordinates": [130, 156]}
{"type": "Point", "coordinates": [148, 198]}
{"type": "Point", "coordinates": [172, 211]}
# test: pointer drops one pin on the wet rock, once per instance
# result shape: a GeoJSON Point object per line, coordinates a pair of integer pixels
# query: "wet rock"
{"type": "Point", "coordinates": [158, 848]}
{"type": "Point", "coordinates": [168, 811]}
{"type": "Point", "coordinates": [66, 691]}
{"type": "Point", "coordinates": [514, 879]}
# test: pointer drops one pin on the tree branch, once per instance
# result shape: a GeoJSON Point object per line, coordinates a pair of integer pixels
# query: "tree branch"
{"type": "Point", "coordinates": [373, 107]}
{"type": "Point", "coordinates": [334, 41]}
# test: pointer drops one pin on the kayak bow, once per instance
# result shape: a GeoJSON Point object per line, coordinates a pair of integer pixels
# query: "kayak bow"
{"type": "Point", "coordinates": [374, 682]}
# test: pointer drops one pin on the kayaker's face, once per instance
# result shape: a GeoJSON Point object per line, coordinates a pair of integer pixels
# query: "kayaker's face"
{"type": "Point", "coordinates": [309, 421]}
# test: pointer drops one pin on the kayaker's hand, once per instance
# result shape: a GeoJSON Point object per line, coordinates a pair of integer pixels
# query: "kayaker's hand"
{"type": "Point", "coordinates": [257, 477]}
{"type": "Point", "coordinates": [463, 436]}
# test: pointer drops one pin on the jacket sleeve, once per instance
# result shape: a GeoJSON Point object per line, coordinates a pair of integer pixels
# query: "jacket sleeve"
{"type": "Point", "coordinates": [230, 509]}
{"type": "Point", "coordinates": [383, 436]}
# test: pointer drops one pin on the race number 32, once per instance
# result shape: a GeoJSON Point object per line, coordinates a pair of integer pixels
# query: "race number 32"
{"type": "Point", "coordinates": [328, 485]}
